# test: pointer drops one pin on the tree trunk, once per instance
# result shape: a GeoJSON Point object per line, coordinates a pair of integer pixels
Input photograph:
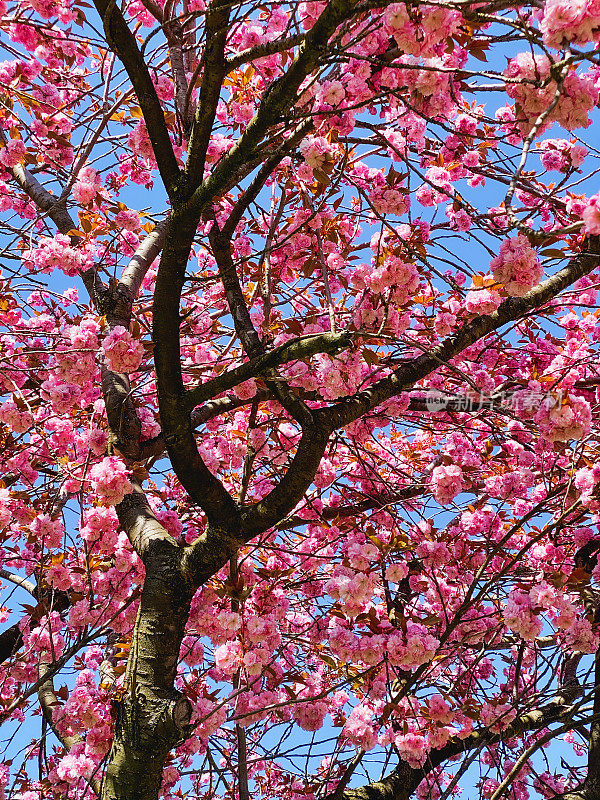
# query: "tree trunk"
{"type": "Point", "coordinates": [153, 716]}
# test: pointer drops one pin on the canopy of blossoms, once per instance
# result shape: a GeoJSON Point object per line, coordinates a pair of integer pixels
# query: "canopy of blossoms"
{"type": "Point", "coordinates": [300, 400]}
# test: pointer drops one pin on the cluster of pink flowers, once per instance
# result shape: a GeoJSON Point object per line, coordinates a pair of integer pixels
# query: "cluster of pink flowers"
{"type": "Point", "coordinates": [437, 188]}
{"type": "Point", "coordinates": [311, 714]}
{"type": "Point", "coordinates": [128, 220]}
{"type": "Point", "coordinates": [439, 710]}
{"type": "Point", "coordinates": [361, 555]}
{"type": "Point", "coordinates": [140, 143]}
{"type": "Point", "coordinates": [317, 151]}
{"type": "Point", "coordinates": [122, 352]}
{"type": "Point", "coordinates": [509, 485]}
{"type": "Point", "coordinates": [48, 9]}
{"type": "Point", "coordinates": [574, 21]}
{"type": "Point", "coordinates": [87, 186]}
{"type": "Point", "coordinates": [100, 528]}
{"type": "Point", "coordinates": [5, 510]}
{"type": "Point", "coordinates": [396, 572]}
{"type": "Point", "coordinates": [58, 253]}
{"type": "Point", "coordinates": [431, 86]}
{"type": "Point", "coordinates": [561, 155]}
{"type": "Point", "coordinates": [229, 657]}
{"type": "Point", "coordinates": [549, 786]}
{"type": "Point", "coordinates": [389, 200]}
{"type": "Point", "coordinates": [335, 377]}
{"type": "Point", "coordinates": [360, 727]}
{"type": "Point", "coordinates": [17, 419]}
{"type": "Point", "coordinates": [482, 300]}
{"type": "Point", "coordinates": [436, 25]}
{"type": "Point", "coordinates": [12, 153]}
{"type": "Point", "coordinates": [213, 716]}
{"type": "Point", "coordinates": [591, 215]}
{"type": "Point", "coordinates": [46, 640]}
{"type": "Point", "coordinates": [110, 480]}
{"type": "Point", "coordinates": [150, 426]}
{"type": "Point", "coordinates": [580, 637]}
{"type": "Point", "coordinates": [253, 706]}
{"type": "Point", "coordinates": [556, 604]}
{"type": "Point", "coordinates": [126, 558]}
{"type": "Point", "coordinates": [397, 273]}
{"type": "Point", "coordinates": [49, 532]}
{"type": "Point", "coordinates": [309, 12]}
{"type": "Point", "coordinates": [414, 647]}
{"type": "Point", "coordinates": [533, 90]}
{"type": "Point", "coordinates": [446, 483]}
{"type": "Point", "coordinates": [218, 145]}
{"type": "Point", "coordinates": [75, 355]}
{"type": "Point", "coordinates": [330, 93]}
{"type": "Point", "coordinates": [62, 396]}
{"type": "Point", "coordinates": [228, 623]}
{"type": "Point", "coordinates": [517, 266]}
{"type": "Point", "coordinates": [343, 643]}
{"type": "Point", "coordinates": [74, 367]}
{"type": "Point", "coordinates": [351, 589]}
{"type": "Point", "coordinates": [520, 616]}
{"type": "Point", "coordinates": [85, 709]}
{"type": "Point", "coordinates": [433, 554]}
{"type": "Point", "coordinates": [413, 748]}
{"type": "Point", "coordinates": [562, 419]}
{"type": "Point", "coordinates": [461, 220]}
{"type": "Point", "coordinates": [586, 480]}
{"type": "Point", "coordinates": [255, 660]}
{"type": "Point", "coordinates": [73, 767]}
{"type": "Point", "coordinates": [432, 785]}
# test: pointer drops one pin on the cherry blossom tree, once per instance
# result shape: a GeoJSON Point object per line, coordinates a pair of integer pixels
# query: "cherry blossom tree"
{"type": "Point", "coordinates": [300, 407]}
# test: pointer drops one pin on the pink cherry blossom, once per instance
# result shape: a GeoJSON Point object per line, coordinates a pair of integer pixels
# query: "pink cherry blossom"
{"type": "Point", "coordinates": [482, 301]}
{"type": "Point", "coordinates": [446, 483]}
{"type": "Point", "coordinates": [360, 727]}
{"type": "Point", "coordinates": [109, 479]}
{"type": "Point", "coordinates": [122, 352]}
{"type": "Point", "coordinates": [577, 22]}
{"type": "Point", "coordinates": [86, 186]}
{"type": "Point", "coordinates": [58, 253]}
{"type": "Point", "coordinates": [517, 266]}
{"type": "Point", "coordinates": [591, 216]}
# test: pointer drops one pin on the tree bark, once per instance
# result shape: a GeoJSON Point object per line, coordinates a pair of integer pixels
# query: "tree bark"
{"type": "Point", "coordinates": [153, 716]}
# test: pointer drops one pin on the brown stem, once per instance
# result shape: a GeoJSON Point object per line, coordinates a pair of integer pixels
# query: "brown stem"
{"type": "Point", "coordinates": [215, 69]}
